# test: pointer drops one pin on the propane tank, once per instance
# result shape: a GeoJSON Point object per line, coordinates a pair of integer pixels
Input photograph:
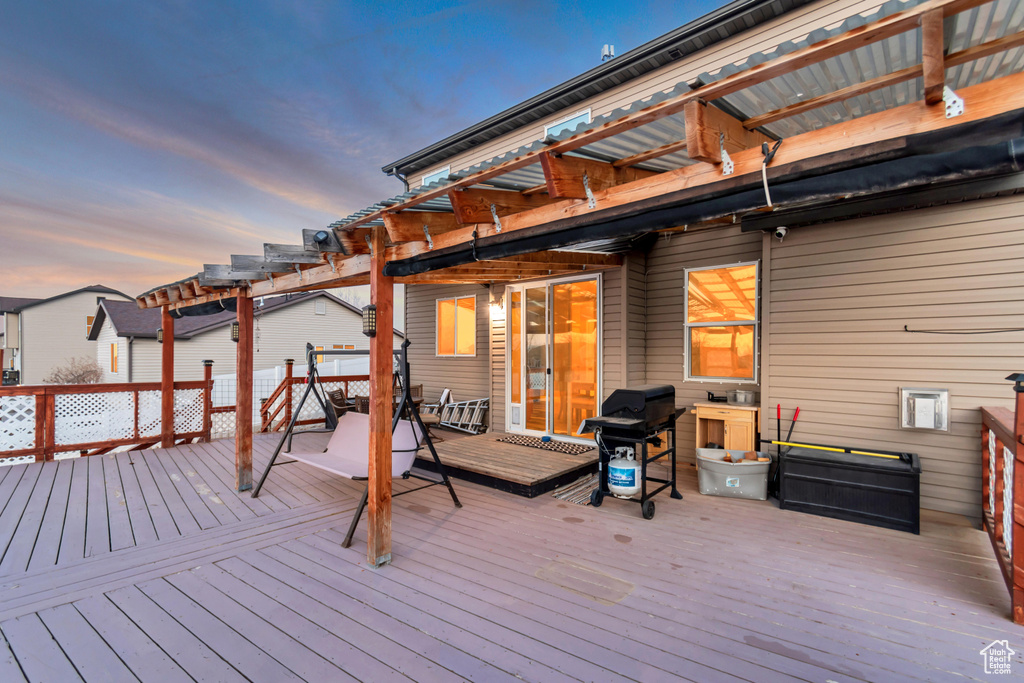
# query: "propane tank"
{"type": "Point", "coordinates": [624, 473]}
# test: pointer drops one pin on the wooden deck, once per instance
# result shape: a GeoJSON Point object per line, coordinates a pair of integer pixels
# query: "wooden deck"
{"type": "Point", "coordinates": [157, 571]}
{"type": "Point", "coordinates": [522, 470]}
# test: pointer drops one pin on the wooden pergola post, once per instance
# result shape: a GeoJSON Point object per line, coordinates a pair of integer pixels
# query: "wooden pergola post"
{"type": "Point", "coordinates": [378, 542]}
{"type": "Point", "coordinates": [243, 395]}
{"type": "Point", "coordinates": [167, 379]}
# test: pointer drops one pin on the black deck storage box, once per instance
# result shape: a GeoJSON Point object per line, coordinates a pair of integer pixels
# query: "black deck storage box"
{"type": "Point", "coordinates": [860, 488]}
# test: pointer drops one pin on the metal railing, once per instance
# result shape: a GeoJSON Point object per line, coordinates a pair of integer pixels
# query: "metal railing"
{"type": "Point", "coordinates": [1002, 445]}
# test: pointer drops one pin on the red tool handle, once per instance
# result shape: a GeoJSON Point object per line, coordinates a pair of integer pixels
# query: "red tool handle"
{"type": "Point", "coordinates": [796, 414]}
{"type": "Point", "coordinates": [778, 411]}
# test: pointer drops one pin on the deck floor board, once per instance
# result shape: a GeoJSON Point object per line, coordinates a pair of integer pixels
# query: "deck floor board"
{"type": "Point", "coordinates": [221, 586]}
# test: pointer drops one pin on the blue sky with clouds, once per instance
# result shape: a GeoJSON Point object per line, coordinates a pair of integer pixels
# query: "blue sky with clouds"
{"type": "Point", "coordinates": [139, 140]}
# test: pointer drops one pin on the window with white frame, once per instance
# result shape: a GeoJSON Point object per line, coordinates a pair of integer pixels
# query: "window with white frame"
{"type": "Point", "coordinates": [567, 123]}
{"type": "Point", "coordinates": [456, 326]}
{"type": "Point", "coordinates": [436, 175]}
{"type": "Point", "coordinates": [88, 324]}
{"type": "Point", "coordinates": [722, 316]}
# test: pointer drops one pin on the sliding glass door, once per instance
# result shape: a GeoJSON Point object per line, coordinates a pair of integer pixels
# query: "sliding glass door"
{"type": "Point", "coordinates": [553, 355]}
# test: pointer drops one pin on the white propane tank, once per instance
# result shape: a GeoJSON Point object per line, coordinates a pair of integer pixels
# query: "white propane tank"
{"type": "Point", "coordinates": [624, 473]}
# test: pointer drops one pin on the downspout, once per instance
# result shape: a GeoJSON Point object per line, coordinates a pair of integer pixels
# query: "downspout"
{"type": "Point", "coordinates": [401, 177]}
{"type": "Point", "coordinates": [130, 341]}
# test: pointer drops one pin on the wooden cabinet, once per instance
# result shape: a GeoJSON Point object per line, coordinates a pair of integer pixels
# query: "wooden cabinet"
{"type": "Point", "coordinates": [734, 427]}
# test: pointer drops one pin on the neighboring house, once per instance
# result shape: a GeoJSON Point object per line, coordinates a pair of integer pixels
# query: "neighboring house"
{"type": "Point", "coordinates": [815, 319]}
{"type": "Point", "coordinates": [128, 351]}
{"type": "Point", "coordinates": [40, 334]}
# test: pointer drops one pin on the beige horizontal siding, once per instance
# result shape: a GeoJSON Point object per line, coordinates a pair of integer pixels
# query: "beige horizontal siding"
{"type": "Point", "coordinates": [760, 37]}
{"type": "Point", "coordinates": [665, 361]}
{"type": "Point", "coordinates": [841, 295]}
{"type": "Point", "coordinates": [53, 333]}
{"type": "Point", "coordinates": [465, 376]}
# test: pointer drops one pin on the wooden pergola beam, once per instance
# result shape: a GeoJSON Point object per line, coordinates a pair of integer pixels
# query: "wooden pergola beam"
{"type": "Point", "coordinates": [474, 205]}
{"type": "Point", "coordinates": [932, 55]}
{"type": "Point", "coordinates": [167, 379]}
{"type": "Point", "coordinates": [670, 148]}
{"type": "Point", "coordinates": [880, 29]}
{"type": "Point", "coordinates": [344, 268]}
{"type": "Point", "coordinates": [243, 394]}
{"type": "Point", "coordinates": [564, 175]}
{"type": "Point", "coordinates": [407, 226]}
{"type": "Point", "coordinates": [709, 128]}
{"type": "Point", "coordinates": [908, 74]}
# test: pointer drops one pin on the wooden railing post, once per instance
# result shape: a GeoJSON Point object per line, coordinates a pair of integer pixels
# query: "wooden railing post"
{"type": "Point", "coordinates": [1016, 530]}
{"type": "Point", "coordinates": [288, 370]}
{"type": "Point", "coordinates": [42, 430]}
{"type": "Point", "coordinates": [207, 399]}
{"type": "Point", "coordinates": [167, 379]}
{"type": "Point", "coordinates": [50, 429]}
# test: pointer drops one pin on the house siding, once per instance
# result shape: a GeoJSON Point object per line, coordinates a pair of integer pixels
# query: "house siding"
{"type": "Point", "coordinates": [760, 37]}
{"type": "Point", "coordinates": [107, 337]}
{"type": "Point", "coordinates": [840, 297]}
{"type": "Point", "coordinates": [665, 361]}
{"type": "Point", "coordinates": [466, 376]}
{"type": "Point", "coordinates": [55, 332]}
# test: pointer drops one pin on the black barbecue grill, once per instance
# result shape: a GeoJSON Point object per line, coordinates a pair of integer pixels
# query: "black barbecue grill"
{"type": "Point", "coordinates": [635, 418]}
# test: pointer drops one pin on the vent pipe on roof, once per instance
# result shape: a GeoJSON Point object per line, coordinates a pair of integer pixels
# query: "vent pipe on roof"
{"type": "Point", "coordinates": [607, 52]}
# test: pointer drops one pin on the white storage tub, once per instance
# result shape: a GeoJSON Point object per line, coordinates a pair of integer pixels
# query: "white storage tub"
{"type": "Point", "coordinates": [747, 479]}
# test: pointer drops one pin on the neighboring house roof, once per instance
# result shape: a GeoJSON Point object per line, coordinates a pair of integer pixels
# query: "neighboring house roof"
{"type": "Point", "coordinates": [697, 35]}
{"type": "Point", "coordinates": [129, 320]}
{"type": "Point", "coordinates": [10, 304]}
{"type": "Point", "coordinates": [29, 303]}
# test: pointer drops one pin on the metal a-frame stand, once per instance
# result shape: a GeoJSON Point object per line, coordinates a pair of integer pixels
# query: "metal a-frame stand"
{"type": "Point", "coordinates": [404, 406]}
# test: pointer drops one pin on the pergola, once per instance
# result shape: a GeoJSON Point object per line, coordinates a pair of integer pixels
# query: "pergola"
{"type": "Point", "coordinates": [844, 100]}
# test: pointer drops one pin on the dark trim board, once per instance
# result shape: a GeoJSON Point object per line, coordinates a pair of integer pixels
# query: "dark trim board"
{"type": "Point", "coordinates": [520, 489]}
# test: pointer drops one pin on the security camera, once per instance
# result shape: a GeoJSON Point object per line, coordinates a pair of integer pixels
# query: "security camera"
{"type": "Point", "coordinates": [780, 232]}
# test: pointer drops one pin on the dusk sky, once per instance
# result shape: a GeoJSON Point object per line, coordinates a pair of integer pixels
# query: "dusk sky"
{"type": "Point", "coordinates": [139, 140]}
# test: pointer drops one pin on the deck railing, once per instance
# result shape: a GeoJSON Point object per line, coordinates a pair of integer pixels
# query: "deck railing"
{"type": "Point", "coordinates": [1002, 444]}
{"type": "Point", "coordinates": [48, 421]}
{"type": "Point", "coordinates": [277, 410]}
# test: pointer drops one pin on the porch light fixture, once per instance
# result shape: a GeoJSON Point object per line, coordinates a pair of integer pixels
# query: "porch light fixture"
{"type": "Point", "coordinates": [320, 236]}
{"type": "Point", "coordinates": [1018, 382]}
{"type": "Point", "coordinates": [498, 305]}
{"type": "Point", "coordinates": [159, 335]}
{"type": "Point", "coordinates": [370, 321]}
{"type": "Point", "coordinates": [234, 331]}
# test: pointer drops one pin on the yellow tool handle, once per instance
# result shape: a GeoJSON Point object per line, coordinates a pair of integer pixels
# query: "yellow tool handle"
{"type": "Point", "coordinates": [835, 450]}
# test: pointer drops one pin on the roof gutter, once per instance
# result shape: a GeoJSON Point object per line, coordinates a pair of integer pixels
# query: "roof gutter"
{"type": "Point", "coordinates": [916, 164]}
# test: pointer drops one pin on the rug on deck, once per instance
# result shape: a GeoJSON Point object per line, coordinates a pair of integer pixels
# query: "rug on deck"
{"type": "Point", "coordinates": [577, 492]}
{"type": "Point", "coordinates": [556, 446]}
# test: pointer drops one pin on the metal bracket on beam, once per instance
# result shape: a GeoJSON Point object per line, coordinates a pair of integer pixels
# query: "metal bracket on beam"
{"type": "Point", "coordinates": [430, 241]}
{"type": "Point", "coordinates": [591, 202]}
{"type": "Point", "coordinates": [727, 165]}
{"type": "Point", "coordinates": [330, 258]}
{"type": "Point", "coordinates": [270, 276]}
{"type": "Point", "coordinates": [954, 103]}
{"type": "Point", "coordinates": [369, 243]}
{"type": "Point", "coordinates": [299, 271]}
{"type": "Point", "coordinates": [497, 221]}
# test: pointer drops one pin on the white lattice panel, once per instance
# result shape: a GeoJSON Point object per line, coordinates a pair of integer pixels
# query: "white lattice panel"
{"type": "Point", "coordinates": [188, 411]}
{"type": "Point", "coordinates": [88, 418]}
{"type": "Point", "coordinates": [311, 410]}
{"type": "Point", "coordinates": [991, 471]}
{"type": "Point", "coordinates": [17, 423]}
{"type": "Point", "coordinates": [17, 460]}
{"type": "Point", "coordinates": [149, 414]}
{"type": "Point", "coordinates": [223, 426]}
{"type": "Point", "coordinates": [1008, 459]}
